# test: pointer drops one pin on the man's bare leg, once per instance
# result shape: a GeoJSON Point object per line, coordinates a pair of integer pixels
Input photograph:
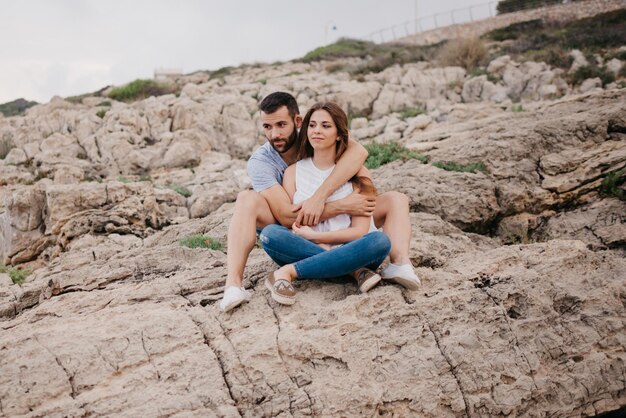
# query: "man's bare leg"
{"type": "Point", "coordinates": [392, 213]}
{"type": "Point", "coordinates": [251, 210]}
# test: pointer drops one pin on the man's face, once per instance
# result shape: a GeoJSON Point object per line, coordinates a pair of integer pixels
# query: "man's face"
{"type": "Point", "coordinates": [280, 129]}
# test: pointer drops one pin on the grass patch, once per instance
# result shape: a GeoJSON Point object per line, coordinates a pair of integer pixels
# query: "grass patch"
{"type": "Point", "coordinates": [100, 113]}
{"type": "Point", "coordinates": [123, 179]}
{"type": "Point", "coordinates": [381, 154]}
{"type": "Point", "coordinates": [468, 168]}
{"type": "Point", "coordinates": [16, 107]}
{"type": "Point", "coordinates": [141, 89]}
{"type": "Point", "coordinates": [181, 190]}
{"type": "Point", "coordinates": [201, 241]}
{"type": "Point", "coordinates": [411, 112]}
{"type": "Point", "coordinates": [611, 185]}
{"type": "Point", "coordinates": [517, 108]}
{"type": "Point", "coordinates": [17, 275]}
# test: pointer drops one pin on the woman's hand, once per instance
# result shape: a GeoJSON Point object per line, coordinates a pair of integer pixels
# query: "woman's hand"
{"type": "Point", "coordinates": [305, 232]}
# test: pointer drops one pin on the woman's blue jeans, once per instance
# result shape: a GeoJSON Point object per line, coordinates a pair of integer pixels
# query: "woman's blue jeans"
{"type": "Point", "coordinates": [312, 261]}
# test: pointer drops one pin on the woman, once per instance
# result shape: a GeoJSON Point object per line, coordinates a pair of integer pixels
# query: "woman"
{"type": "Point", "coordinates": [336, 246]}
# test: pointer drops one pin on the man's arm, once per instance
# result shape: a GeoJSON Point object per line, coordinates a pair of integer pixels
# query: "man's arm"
{"type": "Point", "coordinates": [348, 165]}
{"type": "Point", "coordinates": [279, 199]}
{"type": "Point", "coordinates": [356, 204]}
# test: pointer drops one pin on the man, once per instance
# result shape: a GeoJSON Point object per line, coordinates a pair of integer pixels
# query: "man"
{"type": "Point", "coordinates": [269, 203]}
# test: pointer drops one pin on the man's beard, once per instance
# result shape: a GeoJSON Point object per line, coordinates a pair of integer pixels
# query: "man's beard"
{"type": "Point", "coordinates": [290, 142]}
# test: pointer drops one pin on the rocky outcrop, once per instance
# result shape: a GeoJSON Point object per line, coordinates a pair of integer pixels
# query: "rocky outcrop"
{"type": "Point", "coordinates": [521, 308]}
{"type": "Point", "coordinates": [123, 328]}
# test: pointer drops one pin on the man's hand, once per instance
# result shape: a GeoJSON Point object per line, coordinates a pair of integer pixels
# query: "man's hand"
{"type": "Point", "coordinates": [310, 210]}
{"type": "Point", "coordinates": [305, 232]}
{"type": "Point", "coordinates": [357, 204]}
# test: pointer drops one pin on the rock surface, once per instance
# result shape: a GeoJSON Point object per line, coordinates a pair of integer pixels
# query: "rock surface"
{"type": "Point", "coordinates": [522, 307]}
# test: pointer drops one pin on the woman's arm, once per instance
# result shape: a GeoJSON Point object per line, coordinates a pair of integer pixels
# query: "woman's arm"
{"type": "Point", "coordinates": [360, 226]}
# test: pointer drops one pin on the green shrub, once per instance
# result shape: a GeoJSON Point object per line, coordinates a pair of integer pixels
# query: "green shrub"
{"type": "Point", "coordinates": [553, 55]}
{"type": "Point", "coordinates": [381, 154]}
{"type": "Point", "coordinates": [201, 241]}
{"type": "Point", "coordinates": [468, 168]}
{"type": "Point", "coordinates": [100, 113]}
{"type": "Point", "coordinates": [517, 108]}
{"type": "Point", "coordinates": [463, 52]}
{"type": "Point", "coordinates": [105, 103]}
{"type": "Point", "coordinates": [123, 179]}
{"type": "Point", "coordinates": [17, 275]}
{"type": "Point", "coordinates": [591, 71]}
{"type": "Point", "coordinates": [6, 145]}
{"type": "Point", "coordinates": [140, 89]}
{"type": "Point", "coordinates": [411, 112]}
{"type": "Point", "coordinates": [181, 190]}
{"type": "Point", "coordinates": [611, 185]}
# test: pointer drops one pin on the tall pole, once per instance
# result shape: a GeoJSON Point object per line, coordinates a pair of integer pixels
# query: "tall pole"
{"type": "Point", "coordinates": [416, 16]}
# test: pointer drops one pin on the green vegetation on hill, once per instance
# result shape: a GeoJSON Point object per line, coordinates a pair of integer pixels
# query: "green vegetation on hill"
{"type": "Point", "coordinates": [140, 89]}
{"type": "Point", "coordinates": [16, 107]}
{"type": "Point", "coordinates": [550, 42]}
{"type": "Point", "coordinates": [380, 56]}
{"type": "Point", "coordinates": [508, 6]}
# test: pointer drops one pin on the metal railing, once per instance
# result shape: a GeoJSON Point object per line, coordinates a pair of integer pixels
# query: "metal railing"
{"type": "Point", "coordinates": [451, 17]}
{"type": "Point", "coordinates": [438, 20]}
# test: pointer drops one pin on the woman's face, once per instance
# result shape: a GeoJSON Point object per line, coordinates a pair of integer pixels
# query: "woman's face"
{"type": "Point", "coordinates": [322, 132]}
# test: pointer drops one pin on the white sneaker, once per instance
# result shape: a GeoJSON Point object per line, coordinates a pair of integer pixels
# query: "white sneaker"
{"type": "Point", "coordinates": [403, 275]}
{"type": "Point", "coordinates": [233, 297]}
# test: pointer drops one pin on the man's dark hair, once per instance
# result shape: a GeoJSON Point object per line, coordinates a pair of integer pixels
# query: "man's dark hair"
{"type": "Point", "coordinates": [272, 102]}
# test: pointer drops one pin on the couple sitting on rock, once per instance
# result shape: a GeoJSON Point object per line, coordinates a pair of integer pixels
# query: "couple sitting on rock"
{"type": "Point", "coordinates": [314, 182]}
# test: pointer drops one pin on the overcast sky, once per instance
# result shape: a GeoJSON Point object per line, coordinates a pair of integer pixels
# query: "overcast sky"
{"type": "Point", "coordinates": [70, 47]}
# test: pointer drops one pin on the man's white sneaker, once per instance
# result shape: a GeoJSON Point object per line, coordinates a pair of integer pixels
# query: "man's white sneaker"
{"type": "Point", "coordinates": [403, 275]}
{"type": "Point", "coordinates": [233, 297]}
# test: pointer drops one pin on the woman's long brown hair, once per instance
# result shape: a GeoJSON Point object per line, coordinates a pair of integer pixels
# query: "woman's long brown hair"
{"type": "Point", "coordinates": [305, 150]}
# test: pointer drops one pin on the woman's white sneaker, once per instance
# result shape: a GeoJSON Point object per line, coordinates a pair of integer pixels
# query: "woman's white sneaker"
{"type": "Point", "coordinates": [402, 274]}
{"type": "Point", "coordinates": [233, 297]}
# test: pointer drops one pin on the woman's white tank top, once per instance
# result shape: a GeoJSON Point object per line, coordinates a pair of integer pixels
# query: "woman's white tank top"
{"type": "Point", "coordinates": [308, 179]}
